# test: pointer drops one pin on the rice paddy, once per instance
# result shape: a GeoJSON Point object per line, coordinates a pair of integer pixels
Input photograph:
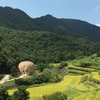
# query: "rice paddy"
{"type": "Point", "coordinates": [71, 84]}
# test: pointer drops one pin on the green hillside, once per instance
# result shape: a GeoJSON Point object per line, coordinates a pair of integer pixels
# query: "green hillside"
{"type": "Point", "coordinates": [40, 47]}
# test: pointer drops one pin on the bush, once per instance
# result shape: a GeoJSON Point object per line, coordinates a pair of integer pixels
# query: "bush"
{"type": "Point", "coordinates": [21, 94]}
{"type": "Point", "coordinates": [3, 94]}
{"type": "Point", "coordinates": [14, 71]}
{"type": "Point", "coordinates": [25, 81]}
{"type": "Point", "coordinates": [44, 77]}
{"type": "Point", "coordinates": [55, 78]}
{"type": "Point", "coordinates": [42, 66]}
{"type": "Point", "coordinates": [55, 96]}
{"type": "Point", "coordinates": [63, 64]}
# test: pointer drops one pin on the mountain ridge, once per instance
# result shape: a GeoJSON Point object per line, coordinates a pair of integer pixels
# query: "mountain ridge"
{"type": "Point", "coordinates": [18, 19]}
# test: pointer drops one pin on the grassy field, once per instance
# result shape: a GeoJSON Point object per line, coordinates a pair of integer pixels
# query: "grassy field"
{"type": "Point", "coordinates": [71, 84]}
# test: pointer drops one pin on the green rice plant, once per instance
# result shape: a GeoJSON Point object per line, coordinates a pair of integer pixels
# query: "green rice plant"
{"type": "Point", "coordinates": [81, 69]}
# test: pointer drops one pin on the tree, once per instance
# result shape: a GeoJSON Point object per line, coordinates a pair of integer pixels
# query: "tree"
{"type": "Point", "coordinates": [63, 64]}
{"type": "Point", "coordinates": [3, 94]}
{"type": "Point", "coordinates": [21, 94]}
{"type": "Point", "coordinates": [42, 66]}
{"type": "Point", "coordinates": [14, 71]}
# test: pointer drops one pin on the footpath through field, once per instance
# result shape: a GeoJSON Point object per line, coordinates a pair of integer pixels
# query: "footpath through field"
{"type": "Point", "coordinates": [6, 78]}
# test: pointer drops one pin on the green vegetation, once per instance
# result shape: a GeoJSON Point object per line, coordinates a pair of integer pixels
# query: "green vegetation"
{"type": "Point", "coordinates": [55, 96]}
{"type": "Point", "coordinates": [62, 27]}
{"type": "Point", "coordinates": [3, 93]}
{"type": "Point", "coordinates": [83, 83]}
{"type": "Point", "coordinates": [8, 85]}
{"type": "Point", "coordinates": [39, 47]}
{"type": "Point", "coordinates": [63, 64]}
{"type": "Point", "coordinates": [43, 40]}
{"type": "Point", "coordinates": [76, 89]}
{"type": "Point", "coordinates": [21, 94]}
{"type": "Point", "coordinates": [58, 47]}
{"type": "Point", "coordinates": [46, 76]}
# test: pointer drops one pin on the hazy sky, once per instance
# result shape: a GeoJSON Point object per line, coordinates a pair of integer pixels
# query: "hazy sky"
{"type": "Point", "coordinates": [87, 10]}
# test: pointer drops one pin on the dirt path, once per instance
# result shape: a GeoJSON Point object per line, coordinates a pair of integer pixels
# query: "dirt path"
{"type": "Point", "coordinates": [6, 78]}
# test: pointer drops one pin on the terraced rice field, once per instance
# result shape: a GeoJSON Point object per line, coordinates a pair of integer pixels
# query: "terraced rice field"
{"type": "Point", "coordinates": [49, 88]}
{"type": "Point", "coordinates": [71, 84]}
{"type": "Point", "coordinates": [96, 75]}
{"type": "Point", "coordinates": [69, 81]}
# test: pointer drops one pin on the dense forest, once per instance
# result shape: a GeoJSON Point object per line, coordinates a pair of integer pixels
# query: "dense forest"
{"type": "Point", "coordinates": [43, 40]}
{"type": "Point", "coordinates": [40, 47]}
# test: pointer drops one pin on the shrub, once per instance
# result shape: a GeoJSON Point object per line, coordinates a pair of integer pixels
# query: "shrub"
{"type": "Point", "coordinates": [27, 81]}
{"type": "Point", "coordinates": [55, 78]}
{"type": "Point", "coordinates": [14, 71]}
{"type": "Point", "coordinates": [20, 82]}
{"type": "Point", "coordinates": [55, 96]}
{"type": "Point", "coordinates": [44, 77]}
{"type": "Point", "coordinates": [21, 94]}
{"type": "Point", "coordinates": [47, 76]}
{"type": "Point", "coordinates": [42, 66]}
{"type": "Point", "coordinates": [63, 64]}
{"type": "Point", "coordinates": [3, 94]}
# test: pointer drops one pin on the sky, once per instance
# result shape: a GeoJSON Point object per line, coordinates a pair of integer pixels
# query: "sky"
{"type": "Point", "coordinates": [86, 10]}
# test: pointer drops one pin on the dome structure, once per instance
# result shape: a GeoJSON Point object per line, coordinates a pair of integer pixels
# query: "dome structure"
{"type": "Point", "coordinates": [26, 67]}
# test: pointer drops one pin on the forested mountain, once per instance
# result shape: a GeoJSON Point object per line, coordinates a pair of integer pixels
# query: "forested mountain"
{"type": "Point", "coordinates": [40, 47]}
{"type": "Point", "coordinates": [43, 40]}
{"type": "Point", "coordinates": [72, 27]}
{"type": "Point", "coordinates": [17, 19]}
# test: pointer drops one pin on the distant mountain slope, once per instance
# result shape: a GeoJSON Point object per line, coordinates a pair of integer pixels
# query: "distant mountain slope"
{"type": "Point", "coordinates": [17, 19]}
{"type": "Point", "coordinates": [71, 27]}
